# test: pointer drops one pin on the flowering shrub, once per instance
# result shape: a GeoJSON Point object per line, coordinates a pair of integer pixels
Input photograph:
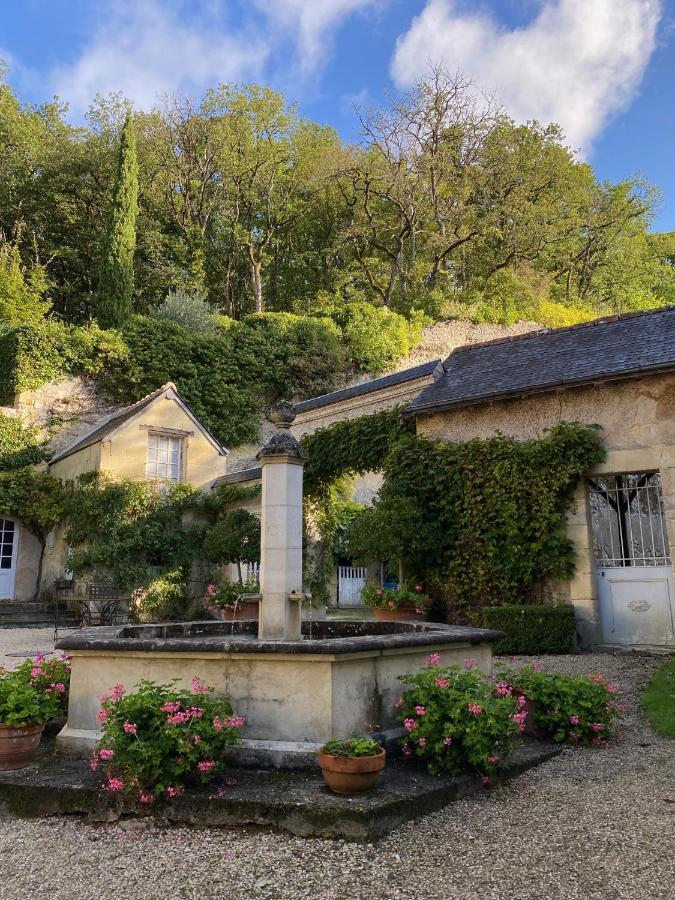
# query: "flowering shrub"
{"type": "Point", "coordinates": [229, 595]}
{"type": "Point", "coordinates": [34, 692]}
{"type": "Point", "coordinates": [580, 710]}
{"type": "Point", "coordinates": [388, 598]}
{"type": "Point", "coordinates": [456, 721]}
{"type": "Point", "coordinates": [158, 738]}
{"type": "Point", "coordinates": [165, 597]}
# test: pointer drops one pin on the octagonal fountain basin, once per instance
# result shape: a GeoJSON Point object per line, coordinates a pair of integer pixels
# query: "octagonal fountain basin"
{"type": "Point", "coordinates": [340, 679]}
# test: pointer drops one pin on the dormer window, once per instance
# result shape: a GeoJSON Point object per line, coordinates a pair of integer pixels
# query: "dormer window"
{"type": "Point", "coordinates": [165, 458]}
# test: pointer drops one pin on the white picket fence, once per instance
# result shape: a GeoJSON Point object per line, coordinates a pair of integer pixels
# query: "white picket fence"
{"type": "Point", "coordinates": [350, 581]}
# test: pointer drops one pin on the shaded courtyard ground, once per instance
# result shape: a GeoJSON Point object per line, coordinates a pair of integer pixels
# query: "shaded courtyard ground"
{"type": "Point", "coordinates": [588, 824]}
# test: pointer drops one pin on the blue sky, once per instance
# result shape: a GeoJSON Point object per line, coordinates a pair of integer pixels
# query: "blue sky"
{"type": "Point", "coordinates": [604, 69]}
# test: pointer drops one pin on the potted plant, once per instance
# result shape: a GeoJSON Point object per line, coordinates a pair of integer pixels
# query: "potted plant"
{"type": "Point", "coordinates": [233, 601]}
{"type": "Point", "coordinates": [399, 604]}
{"type": "Point", "coordinates": [28, 700]}
{"type": "Point", "coordinates": [351, 766]}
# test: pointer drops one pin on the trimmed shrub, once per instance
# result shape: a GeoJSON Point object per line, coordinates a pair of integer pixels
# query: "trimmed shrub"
{"type": "Point", "coordinates": [532, 630]}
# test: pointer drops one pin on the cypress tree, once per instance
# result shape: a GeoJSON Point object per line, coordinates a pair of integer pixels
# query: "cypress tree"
{"type": "Point", "coordinates": [116, 278]}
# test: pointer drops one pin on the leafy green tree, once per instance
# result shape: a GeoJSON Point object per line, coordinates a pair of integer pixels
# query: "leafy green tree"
{"type": "Point", "coordinates": [21, 293]}
{"type": "Point", "coordinates": [234, 539]}
{"type": "Point", "coordinates": [187, 308]}
{"type": "Point", "coordinates": [116, 281]}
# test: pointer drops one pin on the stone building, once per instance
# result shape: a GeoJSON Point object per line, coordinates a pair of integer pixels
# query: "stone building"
{"type": "Point", "coordinates": [158, 439]}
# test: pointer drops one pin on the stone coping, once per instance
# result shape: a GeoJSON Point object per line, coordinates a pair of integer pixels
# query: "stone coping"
{"type": "Point", "coordinates": [329, 638]}
{"type": "Point", "coordinates": [297, 802]}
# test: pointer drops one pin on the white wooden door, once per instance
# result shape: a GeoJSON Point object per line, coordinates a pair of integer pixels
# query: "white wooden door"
{"type": "Point", "coordinates": [350, 581]}
{"type": "Point", "coordinates": [9, 538]}
{"type": "Point", "coordinates": [632, 558]}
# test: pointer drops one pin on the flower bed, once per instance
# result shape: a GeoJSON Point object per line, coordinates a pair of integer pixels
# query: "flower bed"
{"type": "Point", "coordinates": [158, 739]}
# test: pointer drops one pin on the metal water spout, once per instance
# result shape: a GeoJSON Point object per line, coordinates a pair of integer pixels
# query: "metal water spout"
{"type": "Point", "coordinates": [282, 460]}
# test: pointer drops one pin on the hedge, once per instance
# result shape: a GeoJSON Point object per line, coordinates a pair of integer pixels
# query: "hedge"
{"type": "Point", "coordinates": [532, 630]}
{"type": "Point", "coordinates": [32, 355]}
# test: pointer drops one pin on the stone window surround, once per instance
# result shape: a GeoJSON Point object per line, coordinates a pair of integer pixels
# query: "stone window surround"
{"type": "Point", "coordinates": [182, 437]}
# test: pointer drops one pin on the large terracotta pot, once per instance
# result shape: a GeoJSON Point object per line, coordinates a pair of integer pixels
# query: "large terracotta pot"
{"type": "Point", "coordinates": [18, 744]}
{"type": "Point", "coordinates": [351, 775]}
{"type": "Point", "coordinates": [247, 609]}
{"type": "Point", "coordinates": [402, 614]}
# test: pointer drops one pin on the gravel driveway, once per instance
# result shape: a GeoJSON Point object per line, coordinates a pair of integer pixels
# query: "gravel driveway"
{"type": "Point", "coordinates": [588, 824]}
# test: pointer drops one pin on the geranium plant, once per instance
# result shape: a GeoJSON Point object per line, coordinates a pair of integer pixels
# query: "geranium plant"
{"type": "Point", "coordinates": [229, 595]}
{"type": "Point", "coordinates": [394, 598]}
{"type": "Point", "coordinates": [456, 721]}
{"type": "Point", "coordinates": [29, 696]}
{"type": "Point", "coordinates": [577, 709]}
{"type": "Point", "coordinates": [354, 747]}
{"type": "Point", "coordinates": [159, 738]}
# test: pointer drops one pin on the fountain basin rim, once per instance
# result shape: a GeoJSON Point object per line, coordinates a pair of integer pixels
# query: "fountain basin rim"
{"type": "Point", "coordinates": [121, 638]}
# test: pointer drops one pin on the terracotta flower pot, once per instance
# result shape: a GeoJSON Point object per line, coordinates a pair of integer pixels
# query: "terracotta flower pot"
{"type": "Point", "coordinates": [351, 774]}
{"type": "Point", "coordinates": [247, 609]}
{"type": "Point", "coordinates": [402, 614]}
{"type": "Point", "coordinates": [18, 744]}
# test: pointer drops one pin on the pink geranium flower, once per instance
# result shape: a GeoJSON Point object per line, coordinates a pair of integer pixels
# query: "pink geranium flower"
{"type": "Point", "coordinates": [598, 726]}
{"type": "Point", "coordinates": [145, 798]}
{"type": "Point", "coordinates": [503, 689]}
{"type": "Point", "coordinates": [206, 765]}
{"type": "Point", "coordinates": [574, 720]}
{"type": "Point", "coordinates": [475, 709]}
{"type": "Point", "coordinates": [447, 741]}
{"type": "Point", "coordinates": [114, 785]}
{"type": "Point", "coordinates": [442, 682]}
{"type": "Point", "coordinates": [420, 710]}
{"type": "Point", "coordinates": [102, 715]}
{"type": "Point", "coordinates": [399, 703]}
{"type": "Point", "coordinates": [106, 754]}
{"type": "Point", "coordinates": [422, 742]}
{"type": "Point", "coordinates": [130, 727]}
{"type": "Point", "coordinates": [409, 724]}
{"type": "Point", "coordinates": [469, 663]}
{"type": "Point", "coordinates": [117, 692]}
{"type": "Point", "coordinates": [433, 659]}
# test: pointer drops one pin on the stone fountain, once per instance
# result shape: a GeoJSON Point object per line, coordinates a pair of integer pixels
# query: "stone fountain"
{"type": "Point", "coordinates": [297, 683]}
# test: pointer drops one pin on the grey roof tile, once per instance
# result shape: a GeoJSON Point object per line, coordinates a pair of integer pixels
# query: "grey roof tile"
{"type": "Point", "coordinates": [377, 384]}
{"type": "Point", "coordinates": [602, 350]}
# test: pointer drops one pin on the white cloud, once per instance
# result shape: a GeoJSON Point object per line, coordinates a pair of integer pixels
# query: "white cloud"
{"type": "Point", "coordinates": [578, 62]}
{"type": "Point", "coordinates": [311, 23]}
{"type": "Point", "coordinates": [145, 48]}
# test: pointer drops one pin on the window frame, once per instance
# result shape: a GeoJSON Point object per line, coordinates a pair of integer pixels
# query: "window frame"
{"type": "Point", "coordinates": [159, 435]}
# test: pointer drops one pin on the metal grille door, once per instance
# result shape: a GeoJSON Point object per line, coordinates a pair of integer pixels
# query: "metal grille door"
{"type": "Point", "coordinates": [632, 558]}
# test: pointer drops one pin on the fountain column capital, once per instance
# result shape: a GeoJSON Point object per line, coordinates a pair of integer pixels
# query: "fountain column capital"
{"type": "Point", "coordinates": [282, 445]}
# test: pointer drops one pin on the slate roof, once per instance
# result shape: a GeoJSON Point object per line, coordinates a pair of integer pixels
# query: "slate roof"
{"type": "Point", "coordinates": [241, 477]}
{"type": "Point", "coordinates": [110, 424]}
{"type": "Point", "coordinates": [377, 384]}
{"type": "Point", "coordinates": [602, 350]}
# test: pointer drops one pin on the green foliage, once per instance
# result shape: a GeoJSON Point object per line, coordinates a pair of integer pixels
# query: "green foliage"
{"type": "Point", "coordinates": [122, 529]}
{"type": "Point", "coordinates": [187, 308]}
{"type": "Point", "coordinates": [532, 630]}
{"type": "Point", "coordinates": [19, 445]}
{"type": "Point", "coordinates": [31, 355]}
{"type": "Point", "coordinates": [158, 739]}
{"type": "Point", "coordinates": [35, 498]}
{"type": "Point", "coordinates": [116, 278]}
{"type": "Point", "coordinates": [26, 695]}
{"type": "Point", "coordinates": [164, 598]}
{"type": "Point", "coordinates": [354, 747]}
{"type": "Point", "coordinates": [234, 539]}
{"type": "Point", "coordinates": [480, 522]}
{"type": "Point", "coordinates": [456, 721]}
{"type": "Point", "coordinates": [351, 447]}
{"type": "Point", "coordinates": [387, 598]}
{"type": "Point", "coordinates": [575, 709]}
{"type": "Point", "coordinates": [229, 595]}
{"type": "Point", "coordinates": [376, 337]}
{"type": "Point", "coordinates": [658, 701]}
{"type": "Point", "coordinates": [213, 381]}
{"type": "Point", "coordinates": [21, 293]}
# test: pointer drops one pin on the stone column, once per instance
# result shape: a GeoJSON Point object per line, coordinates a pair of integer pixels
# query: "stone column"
{"type": "Point", "coordinates": [282, 460]}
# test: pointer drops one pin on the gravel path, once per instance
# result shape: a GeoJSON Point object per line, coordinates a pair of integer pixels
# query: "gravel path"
{"type": "Point", "coordinates": [589, 824]}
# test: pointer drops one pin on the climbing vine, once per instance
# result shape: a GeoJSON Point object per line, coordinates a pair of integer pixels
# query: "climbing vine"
{"type": "Point", "coordinates": [352, 447]}
{"type": "Point", "coordinates": [480, 522]}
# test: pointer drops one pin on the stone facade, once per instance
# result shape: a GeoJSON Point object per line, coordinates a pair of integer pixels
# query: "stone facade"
{"type": "Point", "coordinates": [637, 419]}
